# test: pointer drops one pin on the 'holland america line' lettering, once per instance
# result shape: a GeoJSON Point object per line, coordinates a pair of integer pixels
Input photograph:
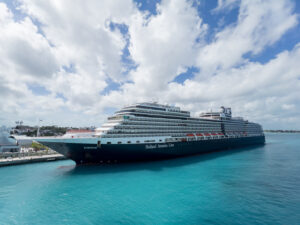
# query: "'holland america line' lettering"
{"type": "Point", "coordinates": [159, 146]}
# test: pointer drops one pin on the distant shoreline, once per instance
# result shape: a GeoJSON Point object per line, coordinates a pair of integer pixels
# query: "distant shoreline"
{"type": "Point", "coordinates": [282, 131]}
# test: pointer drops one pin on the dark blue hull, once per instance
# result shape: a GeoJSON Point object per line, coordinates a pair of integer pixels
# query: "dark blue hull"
{"type": "Point", "coordinates": [90, 153]}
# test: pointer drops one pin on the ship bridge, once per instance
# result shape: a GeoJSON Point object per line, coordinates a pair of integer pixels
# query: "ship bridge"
{"type": "Point", "coordinates": [223, 114]}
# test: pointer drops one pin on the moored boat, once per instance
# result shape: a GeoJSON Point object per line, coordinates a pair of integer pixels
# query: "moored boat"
{"type": "Point", "coordinates": [151, 131]}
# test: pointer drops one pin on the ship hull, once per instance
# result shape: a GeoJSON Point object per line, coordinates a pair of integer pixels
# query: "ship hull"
{"type": "Point", "coordinates": [88, 152]}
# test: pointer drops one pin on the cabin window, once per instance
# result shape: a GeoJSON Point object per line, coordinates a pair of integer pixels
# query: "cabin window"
{"type": "Point", "coordinates": [128, 142]}
{"type": "Point", "coordinates": [108, 142]}
{"type": "Point", "coordinates": [119, 142]}
{"type": "Point", "coordinates": [160, 140]}
{"type": "Point", "coordinates": [137, 141]}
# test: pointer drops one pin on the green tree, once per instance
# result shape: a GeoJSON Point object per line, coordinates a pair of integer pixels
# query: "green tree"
{"type": "Point", "coordinates": [37, 146]}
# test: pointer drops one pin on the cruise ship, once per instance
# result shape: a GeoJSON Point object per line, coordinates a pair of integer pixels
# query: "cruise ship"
{"type": "Point", "coordinates": [152, 131]}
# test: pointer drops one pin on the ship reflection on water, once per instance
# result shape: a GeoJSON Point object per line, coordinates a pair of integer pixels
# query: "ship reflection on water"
{"type": "Point", "coordinates": [158, 165]}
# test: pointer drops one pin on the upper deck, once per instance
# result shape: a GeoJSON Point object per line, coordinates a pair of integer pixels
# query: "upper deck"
{"type": "Point", "coordinates": [153, 109]}
{"type": "Point", "coordinates": [223, 114]}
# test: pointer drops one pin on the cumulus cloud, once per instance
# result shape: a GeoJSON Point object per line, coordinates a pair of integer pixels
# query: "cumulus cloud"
{"type": "Point", "coordinates": [71, 51]}
{"type": "Point", "coordinates": [24, 50]}
{"type": "Point", "coordinates": [260, 24]}
{"type": "Point", "coordinates": [74, 49]}
{"type": "Point", "coordinates": [225, 5]}
{"type": "Point", "coordinates": [81, 33]}
{"type": "Point", "coordinates": [164, 44]}
{"type": "Point", "coordinates": [255, 90]}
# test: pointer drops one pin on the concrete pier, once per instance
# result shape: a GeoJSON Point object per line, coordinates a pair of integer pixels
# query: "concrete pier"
{"type": "Point", "coordinates": [30, 159]}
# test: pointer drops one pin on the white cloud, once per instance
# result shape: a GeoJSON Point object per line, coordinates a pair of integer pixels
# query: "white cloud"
{"type": "Point", "coordinates": [80, 32]}
{"type": "Point", "coordinates": [69, 38]}
{"type": "Point", "coordinates": [72, 52]}
{"type": "Point", "coordinates": [162, 46]}
{"type": "Point", "coordinates": [254, 90]}
{"type": "Point", "coordinates": [260, 24]}
{"type": "Point", "coordinates": [225, 4]}
{"type": "Point", "coordinates": [25, 52]}
{"type": "Point", "coordinates": [26, 57]}
{"type": "Point", "coordinates": [288, 106]}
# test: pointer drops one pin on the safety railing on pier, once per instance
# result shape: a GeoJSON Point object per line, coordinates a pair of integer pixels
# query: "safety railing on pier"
{"type": "Point", "coordinates": [7, 155]}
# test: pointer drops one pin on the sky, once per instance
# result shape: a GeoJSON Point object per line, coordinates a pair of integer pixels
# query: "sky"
{"type": "Point", "coordinates": [74, 63]}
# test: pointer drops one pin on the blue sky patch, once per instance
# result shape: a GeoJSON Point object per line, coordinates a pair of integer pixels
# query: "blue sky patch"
{"type": "Point", "coordinates": [69, 69]}
{"type": "Point", "coordinates": [216, 20]}
{"type": "Point", "coordinates": [189, 74]}
{"type": "Point", "coordinates": [110, 110]}
{"type": "Point", "coordinates": [111, 86]}
{"type": "Point", "coordinates": [60, 95]}
{"type": "Point", "coordinates": [286, 43]}
{"type": "Point", "coordinates": [148, 5]}
{"type": "Point", "coordinates": [127, 62]}
{"type": "Point", "coordinates": [38, 89]}
{"type": "Point", "coordinates": [14, 7]}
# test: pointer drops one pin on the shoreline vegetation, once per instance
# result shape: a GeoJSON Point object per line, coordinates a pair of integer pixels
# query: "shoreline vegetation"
{"type": "Point", "coordinates": [282, 131]}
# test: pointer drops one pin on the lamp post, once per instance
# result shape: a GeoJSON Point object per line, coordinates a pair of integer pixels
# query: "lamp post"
{"type": "Point", "coordinates": [38, 130]}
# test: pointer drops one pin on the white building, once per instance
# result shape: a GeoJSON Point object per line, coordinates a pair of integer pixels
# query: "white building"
{"type": "Point", "coordinates": [8, 144]}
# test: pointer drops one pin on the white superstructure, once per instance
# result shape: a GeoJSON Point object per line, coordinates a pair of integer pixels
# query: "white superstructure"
{"type": "Point", "coordinates": [147, 121]}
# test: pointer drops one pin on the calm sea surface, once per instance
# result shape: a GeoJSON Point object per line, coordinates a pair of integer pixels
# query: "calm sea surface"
{"type": "Point", "coordinates": [255, 185]}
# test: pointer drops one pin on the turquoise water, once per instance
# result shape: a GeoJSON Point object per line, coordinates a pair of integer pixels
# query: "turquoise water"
{"type": "Point", "coordinates": [254, 185]}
